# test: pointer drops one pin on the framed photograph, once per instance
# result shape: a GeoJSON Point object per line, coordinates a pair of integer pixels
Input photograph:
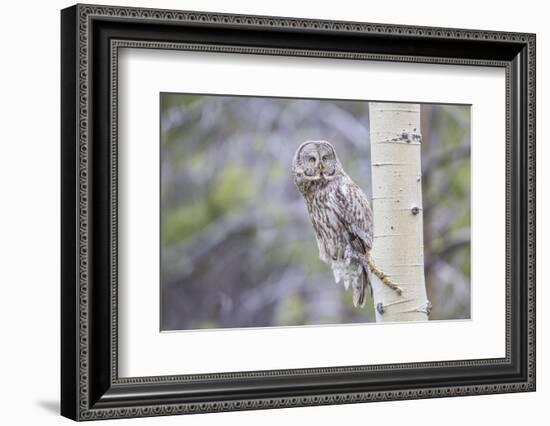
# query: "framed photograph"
{"type": "Point", "coordinates": [263, 212]}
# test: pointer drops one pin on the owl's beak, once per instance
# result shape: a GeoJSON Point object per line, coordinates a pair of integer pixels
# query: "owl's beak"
{"type": "Point", "coordinates": [321, 167]}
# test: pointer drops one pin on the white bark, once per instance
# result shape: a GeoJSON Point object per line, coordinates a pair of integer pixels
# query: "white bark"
{"type": "Point", "coordinates": [398, 248]}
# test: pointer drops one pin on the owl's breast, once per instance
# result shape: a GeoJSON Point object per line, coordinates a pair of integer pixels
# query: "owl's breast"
{"type": "Point", "coordinates": [330, 232]}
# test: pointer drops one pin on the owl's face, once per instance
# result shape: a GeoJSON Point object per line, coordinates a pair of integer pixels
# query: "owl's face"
{"type": "Point", "coordinates": [316, 160]}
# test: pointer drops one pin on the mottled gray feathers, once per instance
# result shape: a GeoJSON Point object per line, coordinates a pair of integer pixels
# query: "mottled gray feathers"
{"type": "Point", "coordinates": [339, 211]}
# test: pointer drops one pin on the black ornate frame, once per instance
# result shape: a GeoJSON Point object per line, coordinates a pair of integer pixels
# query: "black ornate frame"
{"type": "Point", "coordinates": [91, 37]}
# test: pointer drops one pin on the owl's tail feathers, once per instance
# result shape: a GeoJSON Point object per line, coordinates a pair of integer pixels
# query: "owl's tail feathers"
{"type": "Point", "coordinates": [383, 277]}
{"type": "Point", "coordinates": [360, 289]}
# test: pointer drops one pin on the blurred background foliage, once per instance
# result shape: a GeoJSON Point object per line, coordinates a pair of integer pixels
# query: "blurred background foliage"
{"type": "Point", "coordinates": [237, 246]}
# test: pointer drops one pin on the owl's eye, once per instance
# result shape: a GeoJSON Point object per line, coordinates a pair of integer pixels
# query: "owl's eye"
{"type": "Point", "coordinates": [311, 159]}
{"type": "Point", "coordinates": [325, 158]}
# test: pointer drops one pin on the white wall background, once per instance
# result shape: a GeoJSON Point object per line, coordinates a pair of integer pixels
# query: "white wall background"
{"type": "Point", "coordinates": [29, 211]}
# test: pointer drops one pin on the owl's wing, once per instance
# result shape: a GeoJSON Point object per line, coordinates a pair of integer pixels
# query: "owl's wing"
{"type": "Point", "coordinates": [354, 212]}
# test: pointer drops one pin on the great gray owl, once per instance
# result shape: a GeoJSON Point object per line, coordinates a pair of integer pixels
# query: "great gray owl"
{"type": "Point", "coordinates": [341, 216]}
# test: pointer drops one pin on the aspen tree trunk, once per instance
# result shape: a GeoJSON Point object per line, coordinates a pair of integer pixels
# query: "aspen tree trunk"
{"type": "Point", "coordinates": [398, 249]}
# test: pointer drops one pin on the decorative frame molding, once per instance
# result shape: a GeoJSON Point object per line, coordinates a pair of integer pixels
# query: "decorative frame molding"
{"type": "Point", "coordinates": [91, 37]}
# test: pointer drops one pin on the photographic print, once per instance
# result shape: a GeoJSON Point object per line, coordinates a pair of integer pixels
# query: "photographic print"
{"type": "Point", "coordinates": [257, 182]}
{"type": "Point", "coordinates": [293, 212]}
